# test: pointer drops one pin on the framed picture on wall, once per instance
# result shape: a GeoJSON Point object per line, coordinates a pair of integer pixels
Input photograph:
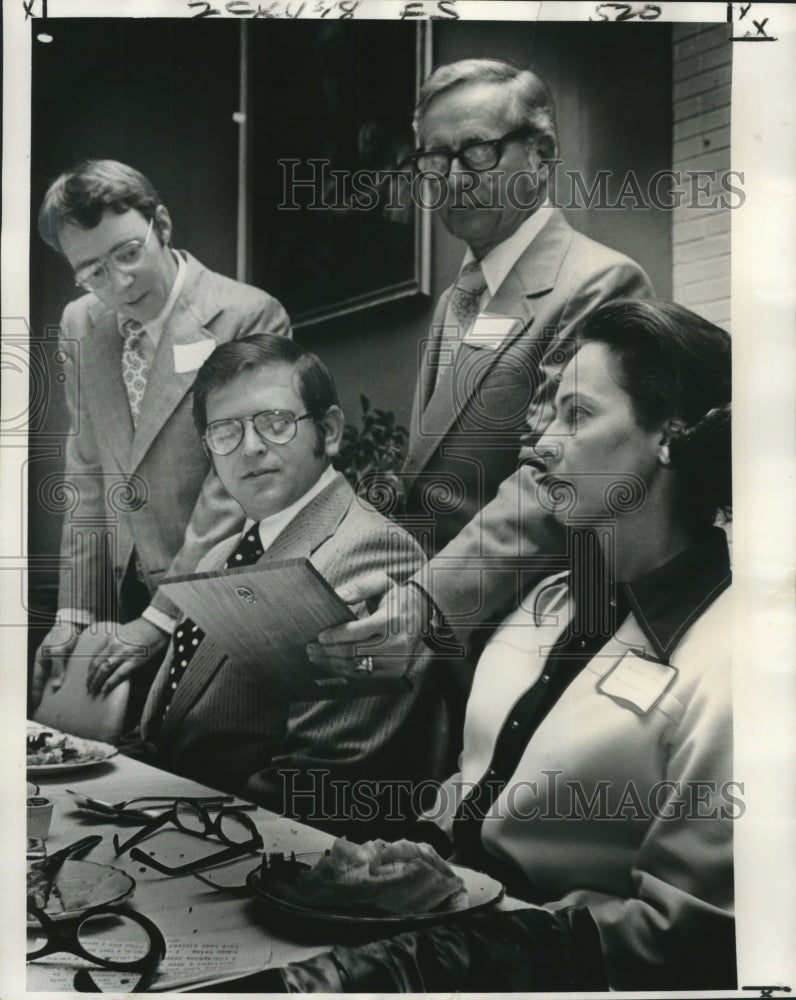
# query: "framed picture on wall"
{"type": "Point", "coordinates": [332, 224]}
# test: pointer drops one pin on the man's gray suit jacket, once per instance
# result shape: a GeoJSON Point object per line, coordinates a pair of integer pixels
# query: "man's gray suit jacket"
{"type": "Point", "coordinates": [223, 729]}
{"type": "Point", "coordinates": [464, 490]}
{"type": "Point", "coordinates": [147, 488]}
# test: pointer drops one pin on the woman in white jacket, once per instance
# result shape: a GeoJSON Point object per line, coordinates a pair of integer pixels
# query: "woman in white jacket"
{"type": "Point", "coordinates": [598, 741]}
{"type": "Point", "coordinates": [597, 764]}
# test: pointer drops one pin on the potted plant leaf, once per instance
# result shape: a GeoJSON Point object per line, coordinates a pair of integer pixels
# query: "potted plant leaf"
{"type": "Point", "coordinates": [371, 456]}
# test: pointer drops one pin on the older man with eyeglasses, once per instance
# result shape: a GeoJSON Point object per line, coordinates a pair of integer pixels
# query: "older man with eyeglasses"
{"type": "Point", "coordinates": [488, 143]}
{"type": "Point", "coordinates": [147, 505]}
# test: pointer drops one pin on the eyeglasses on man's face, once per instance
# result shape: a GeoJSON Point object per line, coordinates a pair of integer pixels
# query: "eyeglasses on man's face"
{"type": "Point", "coordinates": [127, 257]}
{"type": "Point", "coordinates": [479, 155]}
{"type": "Point", "coordinates": [222, 437]}
{"type": "Point", "coordinates": [111, 938]}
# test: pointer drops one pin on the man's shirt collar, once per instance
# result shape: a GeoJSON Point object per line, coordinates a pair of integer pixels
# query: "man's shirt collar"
{"type": "Point", "coordinates": [154, 328]}
{"type": "Point", "coordinates": [273, 526]}
{"type": "Point", "coordinates": [502, 258]}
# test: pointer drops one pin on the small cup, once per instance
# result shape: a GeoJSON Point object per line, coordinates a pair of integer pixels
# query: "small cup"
{"type": "Point", "coordinates": [40, 814]}
{"type": "Point", "coordinates": [37, 849]}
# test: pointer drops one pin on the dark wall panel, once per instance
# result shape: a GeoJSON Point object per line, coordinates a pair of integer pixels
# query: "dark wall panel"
{"type": "Point", "coordinates": [159, 95]}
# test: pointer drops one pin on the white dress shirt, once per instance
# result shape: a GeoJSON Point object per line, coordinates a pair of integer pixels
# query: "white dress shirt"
{"type": "Point", "coordinates": [153, 328]}
{"type": "Point", "coordinates": [271, 527]}
{"type": "Point", "coordinates": [502, 258]}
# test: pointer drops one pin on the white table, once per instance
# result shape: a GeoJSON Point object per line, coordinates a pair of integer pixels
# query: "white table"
{"type": "Point", "coordinates": [204, 929]}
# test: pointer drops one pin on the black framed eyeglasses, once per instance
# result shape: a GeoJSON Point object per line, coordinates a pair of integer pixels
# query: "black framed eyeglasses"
{"type": "Point", "coordinates": [222, 437]}
{"type": "Point", "coordinates": [127, 257]}
{"type": "Point", "coordinates": [478, 155]}
{"type": "Point", "coordinates": [233, 828]}
{"type": "Point", "coordinates": [112, 938]}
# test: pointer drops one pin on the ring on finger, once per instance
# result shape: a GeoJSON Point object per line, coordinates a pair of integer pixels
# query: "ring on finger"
{"type": "Point", "coordinates": [364, 665]}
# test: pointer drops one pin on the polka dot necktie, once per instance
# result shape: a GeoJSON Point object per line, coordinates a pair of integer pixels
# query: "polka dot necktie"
{"type": "Point", "coordinates": [135, 369]}
{"type": "Point", "coordinates": [188, 635]}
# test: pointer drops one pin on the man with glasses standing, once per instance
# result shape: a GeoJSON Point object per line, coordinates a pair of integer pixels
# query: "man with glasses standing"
{"type": "Point", "coordinates": [147, 505]}
{"type": "Point", "coordinates": [488, 142]}
{"type": "Point", "coordinates": [268, 415]}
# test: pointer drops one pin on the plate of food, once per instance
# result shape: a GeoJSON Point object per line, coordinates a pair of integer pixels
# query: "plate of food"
{"type": "Point", "coordinates": [370, 889]}
{"type": "Point", "coordinates": [51, 752]}
{"type": "Point", "coordinates": [77, 886]}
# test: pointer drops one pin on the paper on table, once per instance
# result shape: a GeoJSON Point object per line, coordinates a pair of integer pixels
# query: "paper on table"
{"type": "Point", "coordinates": [187, 963]}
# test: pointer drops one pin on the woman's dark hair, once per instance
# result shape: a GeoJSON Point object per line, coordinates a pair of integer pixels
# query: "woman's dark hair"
{"type": "Point", "coordinates": [676, 367]}
{"type": "Point", "coordinates": [262, 350]}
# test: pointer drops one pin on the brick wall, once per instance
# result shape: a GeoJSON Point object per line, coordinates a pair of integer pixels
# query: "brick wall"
{"type": "Point", "coordinates": [701, 81]}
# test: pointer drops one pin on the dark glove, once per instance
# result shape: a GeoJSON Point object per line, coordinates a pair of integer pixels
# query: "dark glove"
{"type": "Point", "coordinates": [523, 950]}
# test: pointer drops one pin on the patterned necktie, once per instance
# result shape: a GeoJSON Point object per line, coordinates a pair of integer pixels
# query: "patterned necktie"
{"type": "Point", "coordinates": [464, 302]}
{"type": "Point", "coordinates": [466, 295]}
{"type": "Point", "coordinates": [135, 369]}
{"type": "Point", "coordinates": [188, 634]}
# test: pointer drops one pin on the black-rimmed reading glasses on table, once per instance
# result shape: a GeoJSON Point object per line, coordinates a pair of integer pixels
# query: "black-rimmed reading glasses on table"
{"type": "Point", "coordinates": [230, 826]}
{"type": "Point", "coordinates": [112, 938]}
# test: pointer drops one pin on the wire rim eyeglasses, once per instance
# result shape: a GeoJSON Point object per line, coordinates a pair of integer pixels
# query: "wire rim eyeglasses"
{"type": "Point", "coordinates": [222, 437]}
{"type": "Point", "coordinates": [479, 155]}
{"type": "Point", "coordinates": [127, 257]}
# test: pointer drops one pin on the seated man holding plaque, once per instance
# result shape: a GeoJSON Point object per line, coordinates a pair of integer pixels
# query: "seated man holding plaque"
{"type": "Point", "coordinates": [269, 419]}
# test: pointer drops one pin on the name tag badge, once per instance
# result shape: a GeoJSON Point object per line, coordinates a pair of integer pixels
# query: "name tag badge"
{"type": "Point", "coordinates": [189, 357]}
{"type": "Point", "coordinates": [637, 683]}
{"type": "Point", "coordinates": [489, 331]}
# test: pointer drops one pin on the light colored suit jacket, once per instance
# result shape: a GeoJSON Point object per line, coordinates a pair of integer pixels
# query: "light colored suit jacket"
{"type": "Point", "coordinates": [460, 476]}
{"type": "Point", "coordinates": [222, 728]}
{"type": "Point", "coordinates": [146, 488]}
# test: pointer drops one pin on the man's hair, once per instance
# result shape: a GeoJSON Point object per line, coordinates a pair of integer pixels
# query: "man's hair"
{"type": "Point", "coordinates": [676, 366]}
{"type": "Point", "coordinates": [82, 195]}
{"type": "Point", "coordinates": [263, 350]}
{"type": "Point", "coordinates": [532, 101]}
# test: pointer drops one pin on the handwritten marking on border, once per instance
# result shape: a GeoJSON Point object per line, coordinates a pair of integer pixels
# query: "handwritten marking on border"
{"type": "Point", "coordinates": [626, 12]}
{"type": "Point", "coordinates": [29, 9]}
{"type": "Point", "coordinates": [759, 34]}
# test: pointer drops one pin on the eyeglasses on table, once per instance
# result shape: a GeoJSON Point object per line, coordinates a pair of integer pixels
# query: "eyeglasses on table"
{"type": "Point", "coordinates": [100, 936]}
{"type": "Point", "coordinates": [233, 828]}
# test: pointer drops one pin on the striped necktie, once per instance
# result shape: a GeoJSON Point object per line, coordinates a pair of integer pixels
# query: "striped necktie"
{"type": "Point", "coordinates": [188, 635]}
